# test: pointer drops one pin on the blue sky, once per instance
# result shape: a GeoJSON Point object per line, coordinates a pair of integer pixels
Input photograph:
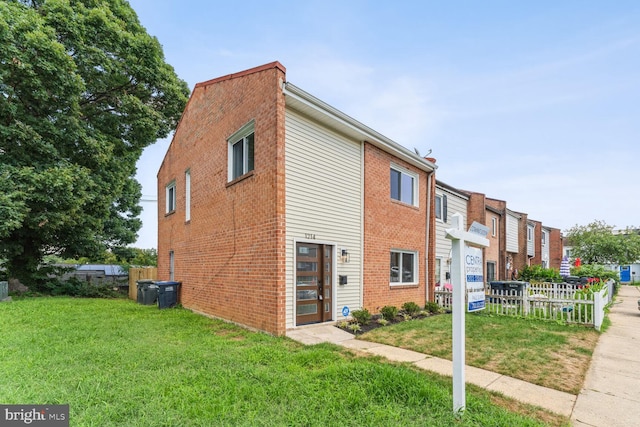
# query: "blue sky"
{"type": "Point", "coordinates": [536, 103]}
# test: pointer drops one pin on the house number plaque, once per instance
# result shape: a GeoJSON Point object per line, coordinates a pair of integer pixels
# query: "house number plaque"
{"type": "Point", "coordinates": [309, 236]}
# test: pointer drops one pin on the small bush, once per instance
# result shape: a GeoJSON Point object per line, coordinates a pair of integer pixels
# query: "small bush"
{"type": "Point", "coordinates": [432, 307]}
{"type": "Point", "coordinates": [361, 316]}
{"type": "Point", "coordinates": [411, 308]}
{"type": "Point", "coordinates": [382, 321]}
{"type": "Point", "coordinates": [355, 328]}
{"type": "Point", "coordinates": [389, 312]}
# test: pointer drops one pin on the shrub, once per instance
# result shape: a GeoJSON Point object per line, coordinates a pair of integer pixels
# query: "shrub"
{"type": "Point", "coordinates": [382, 321]}
{"type": "Point", "coordinates": [411, 308]}
{"type": "Point", "coordinates": [361, 316]}
{"type": "Point", "coordinates": [389, 312]}
{"type": "Point", "coordinates": [432, 307]}
{"type": "Point", "coordinates": [355, 328]}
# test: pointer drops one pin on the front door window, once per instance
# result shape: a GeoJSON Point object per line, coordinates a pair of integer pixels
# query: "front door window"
{"type": "Point", "coordinates": [314, 283]}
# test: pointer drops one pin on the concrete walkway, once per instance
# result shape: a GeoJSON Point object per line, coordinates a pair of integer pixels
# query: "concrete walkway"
{"type": "Point", "coordinates": [553, 400]}
{"type": "Point", "coordinates": [611, 393]}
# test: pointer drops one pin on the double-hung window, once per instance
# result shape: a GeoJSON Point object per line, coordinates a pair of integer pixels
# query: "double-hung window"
{"type": "Point", "coordinates": [441, 207]}
{"type": "Point", "coordinates": [404, 185]}
{"type": "Point", "coordinates": [170, 197]}
{"type": "Point", "coordinates": [404, 267]}
{"type": "Point", "coordinates": [241, 151]}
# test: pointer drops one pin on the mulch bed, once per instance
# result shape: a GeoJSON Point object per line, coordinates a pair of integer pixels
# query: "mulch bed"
{"type": "Point", "coordinates": [373, 323]}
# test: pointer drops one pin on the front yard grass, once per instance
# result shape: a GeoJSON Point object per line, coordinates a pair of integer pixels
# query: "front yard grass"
{"type": "Point", "coordinates": [118, 363]}
{"type": "Point", "coordinates": [540, 352]}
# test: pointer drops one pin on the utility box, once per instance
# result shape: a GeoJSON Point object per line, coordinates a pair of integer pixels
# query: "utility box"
{"type": "Point", "coordinates": [4, 290]}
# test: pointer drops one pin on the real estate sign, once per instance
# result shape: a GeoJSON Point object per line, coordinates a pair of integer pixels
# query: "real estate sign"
{"type": "Point", "coordinates": [474, 278]}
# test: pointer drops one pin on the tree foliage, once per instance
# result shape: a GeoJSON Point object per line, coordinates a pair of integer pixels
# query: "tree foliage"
{"type": "Point", "coordinates": [83, 90]}
{"type": "Point", "coordinates": [596, 243]}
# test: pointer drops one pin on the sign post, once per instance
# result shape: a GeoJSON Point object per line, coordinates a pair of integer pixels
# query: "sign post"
{"type": "Point", "coordinates": [476, 236]}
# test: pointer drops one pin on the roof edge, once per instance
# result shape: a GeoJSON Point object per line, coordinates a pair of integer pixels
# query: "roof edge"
{"type": "Point", "coordinates": [369, 135]}
{"type": "Point", "coordinates": [274, 64]}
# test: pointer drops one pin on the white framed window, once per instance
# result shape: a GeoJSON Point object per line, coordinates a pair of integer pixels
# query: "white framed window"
{"type": "Point", "coordinates": [544, 238]}
{"type": "Point", "coordinates": [404, 185]}
{"type": "Point", "coordinates": [241, 151]}
{"type": "Point", "coordinates": [170, 197]}
{"type": "Point", "coordinates": [494, 226]}
{"type": "Point", "coordinates": [187, 195]}
{"type": "Point", "coordinates": [403, 267]}
{"type": "Point", "coordinates": [441, 207]}
{"type": "Point", "coordinates": [529, 234]}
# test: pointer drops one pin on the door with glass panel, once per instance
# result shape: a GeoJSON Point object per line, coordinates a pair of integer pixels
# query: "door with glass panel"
{"type": "Point", "coordinates": [314, 283]}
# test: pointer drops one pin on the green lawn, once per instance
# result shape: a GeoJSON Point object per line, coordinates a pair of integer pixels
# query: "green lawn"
{"type": "Point", "coordinates": [541, 352]}
{"type": "Point", "coordinates": [118, 363]}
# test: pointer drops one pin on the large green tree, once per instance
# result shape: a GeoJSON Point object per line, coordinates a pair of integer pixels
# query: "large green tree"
{"type": "Point", "coordinates": [83, 90]}
{"type": "Point", "coordinates": [597, 243]}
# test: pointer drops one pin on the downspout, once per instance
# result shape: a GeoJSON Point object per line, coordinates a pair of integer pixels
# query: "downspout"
{"type": "Point", "coordinates": [428, 235]}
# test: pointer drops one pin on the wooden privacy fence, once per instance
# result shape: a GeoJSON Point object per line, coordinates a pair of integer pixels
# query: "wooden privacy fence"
{"type": "Point", "coordinates": [136, 274]}
{"type": "Point", "coordinates": [548, 301]}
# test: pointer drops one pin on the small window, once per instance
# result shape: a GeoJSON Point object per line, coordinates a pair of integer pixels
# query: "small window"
{"type": "Point", "coordinates": [544, 238]}
{"type": "Point", "coordinates": [187, 195]}
{"type": "Point", "coordinates": [491, 271]}
{"type": "Point", "coordinates": [403, 267]}
{"type": "Point", "coordinates": [441, 207]}
{"type": "Point", "coordinates": [404, 185]}
{"type": "Point", "coordinates": [494, 226]}
{"type": "Point", "coordinates": [171, 197]}
{"type": "Point", "coordinates": [529, 234]}
{"type": "Point", "coordinates": [241, 151]}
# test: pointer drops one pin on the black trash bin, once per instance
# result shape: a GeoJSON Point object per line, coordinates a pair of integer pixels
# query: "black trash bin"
{"type": "Point", "coordinates": [507, 285]}
{"type": "Point", "coordinates": [498, 286]}
{"type": "Point", "coordinates": [147, 292]}
{"type": "Point", "coordinates": [167, 294]}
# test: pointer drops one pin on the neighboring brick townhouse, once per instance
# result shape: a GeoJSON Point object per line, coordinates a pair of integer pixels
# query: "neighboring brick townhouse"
{"type": "Point", "coordinates": [277, 210]}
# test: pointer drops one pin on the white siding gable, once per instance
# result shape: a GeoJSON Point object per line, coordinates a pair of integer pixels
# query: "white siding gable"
{"type": "Point", "coordinates": [324, 199]}
{"type": "Point", "coordinates": [512, 233]}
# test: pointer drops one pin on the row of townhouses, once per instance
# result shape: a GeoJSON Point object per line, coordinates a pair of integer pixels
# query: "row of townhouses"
{"type": "Point", "coordinates": [277, 210]}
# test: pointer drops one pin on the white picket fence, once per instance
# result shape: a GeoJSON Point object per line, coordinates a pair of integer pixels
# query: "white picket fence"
{"type": "Point", "coordinates": [550, 301]}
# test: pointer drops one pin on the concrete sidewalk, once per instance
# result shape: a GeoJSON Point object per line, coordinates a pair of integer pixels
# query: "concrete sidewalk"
{"type": "Point", "coordinates": [611, 393]}
{"type": "Point", "coordinates": [553, 400]}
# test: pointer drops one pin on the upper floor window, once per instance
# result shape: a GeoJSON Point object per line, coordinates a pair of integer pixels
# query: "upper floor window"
{"type": "Point", "coordinates": [241, 153]}
{"type": "Point", "coordinates": [170, 197]}
{"type": "Point", "coordinates": [544, 238]}
{"type": "Point", "coordinates": [529, 234]}
{"type": "Point", "coordinates": [441, 207]}
{"type": "Point", "coordinates": [494, 226]}
{"type": "Point", "coordinates": [404, 185]}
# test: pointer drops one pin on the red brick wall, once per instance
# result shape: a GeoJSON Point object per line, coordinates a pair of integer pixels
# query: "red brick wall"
{"type": "Point", "coordinates": [390, 224]}
{"type": "Point", "coordinates": [230, 255]}
{"type": "Point", "coordinates": [555, 248]}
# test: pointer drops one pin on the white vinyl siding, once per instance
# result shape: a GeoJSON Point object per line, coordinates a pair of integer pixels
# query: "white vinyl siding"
{"type": "Point", "coordinates": [455, 203]}
{"type": "Point", "coordinates": [545, 247]}
{"type": "Point", "coordinates": [323, 187]}
{"type": "Point", "coordinates": [512, 233]}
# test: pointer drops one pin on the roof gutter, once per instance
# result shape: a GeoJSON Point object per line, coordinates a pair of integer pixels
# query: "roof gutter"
{"type": "Point", "coordinates": [364, 132]}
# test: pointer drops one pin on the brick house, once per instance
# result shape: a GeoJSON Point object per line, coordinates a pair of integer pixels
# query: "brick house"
{"type": "Point", "coordinates": [277, 210]}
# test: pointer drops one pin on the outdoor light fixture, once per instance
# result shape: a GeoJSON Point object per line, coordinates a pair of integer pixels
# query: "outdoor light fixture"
{"type": "Point", "coordinates": [344, 255]}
